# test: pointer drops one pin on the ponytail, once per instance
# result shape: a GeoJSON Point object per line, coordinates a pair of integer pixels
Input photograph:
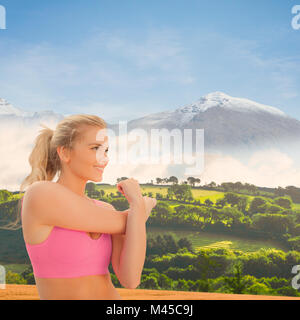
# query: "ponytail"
{"type": "Point", "coordinates": [39, 159]}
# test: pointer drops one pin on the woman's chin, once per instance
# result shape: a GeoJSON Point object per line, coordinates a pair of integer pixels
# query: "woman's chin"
{"type": "Point", "coordinates": [99, 179]}
{"type": "Point", "coordinates": [96, 179]}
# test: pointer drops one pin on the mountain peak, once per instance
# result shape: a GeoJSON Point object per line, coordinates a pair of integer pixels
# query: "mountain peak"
{"type": "Point", "coordinates": [6, 108]}
{"type": "Point", "coordinates": [221, 100]}
{"type": "Point", "coordinates": [217, 95]}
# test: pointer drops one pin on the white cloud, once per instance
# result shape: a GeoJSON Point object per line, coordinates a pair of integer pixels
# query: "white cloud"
{"type": "Point", "coordinates": [267, 168]}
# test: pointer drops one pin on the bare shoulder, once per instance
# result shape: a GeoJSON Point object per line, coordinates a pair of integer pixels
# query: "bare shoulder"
{"type": "Point", "coordinates": [35, 190]}
{"type": "Point", "coordinates": [39, 186]}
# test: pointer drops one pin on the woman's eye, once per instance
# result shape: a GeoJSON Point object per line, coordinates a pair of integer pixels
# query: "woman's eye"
{"type": "Point", "coordinates": [98, 147]}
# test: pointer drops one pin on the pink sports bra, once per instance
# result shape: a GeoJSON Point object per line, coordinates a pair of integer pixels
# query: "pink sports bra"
{"type": "Point", "coordinates": [68, 253]}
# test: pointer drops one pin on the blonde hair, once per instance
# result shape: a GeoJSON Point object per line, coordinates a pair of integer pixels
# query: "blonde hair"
{"type": "Point", "coordinates": [44, 159]}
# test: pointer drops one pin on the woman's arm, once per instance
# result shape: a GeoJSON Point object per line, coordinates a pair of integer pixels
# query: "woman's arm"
{"type": "Point", "coordinates": [132, 257]}
{"type": "Point", "coordinates": [50, 203]}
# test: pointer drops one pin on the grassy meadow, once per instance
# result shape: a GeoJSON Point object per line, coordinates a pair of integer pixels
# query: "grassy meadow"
{"type": "Point", "coordinates": [201, 239]}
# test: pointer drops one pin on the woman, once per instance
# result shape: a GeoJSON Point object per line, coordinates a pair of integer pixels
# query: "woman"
{"type": "Point", "coordinates": [71, 239]}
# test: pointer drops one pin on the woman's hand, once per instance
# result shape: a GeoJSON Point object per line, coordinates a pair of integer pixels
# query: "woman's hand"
{"type": "Point", "coordinates": [131, 190]}
{"type": "Point", "coordinates": [150, 203]}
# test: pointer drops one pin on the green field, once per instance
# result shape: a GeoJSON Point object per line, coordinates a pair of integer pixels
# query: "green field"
{"type": "Point", "coordinates": [197, 193]}
{"type": "Point", "coordinates": [204, 239]}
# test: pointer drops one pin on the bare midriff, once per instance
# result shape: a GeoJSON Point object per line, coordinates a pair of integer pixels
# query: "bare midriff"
{"type": "Point", "coordinates": [93, 287]}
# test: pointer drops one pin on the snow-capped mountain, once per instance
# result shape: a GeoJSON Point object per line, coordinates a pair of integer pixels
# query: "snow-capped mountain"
{"type": "Point", "coordinates": [8, 109]}
{"type": "Point", "coordinates": [224, 101]}
{"type": "Point", "coordinates": [227, 122]}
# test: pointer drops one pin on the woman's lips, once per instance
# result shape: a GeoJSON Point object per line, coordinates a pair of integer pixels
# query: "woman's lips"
{"type": "Point", "coordinates": [99, 169]}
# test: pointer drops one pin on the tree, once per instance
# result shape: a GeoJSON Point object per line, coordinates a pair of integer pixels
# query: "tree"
{"type": "Point", "coordinates": [4, 195]}
{"type": "Point", "coordinates": [190, 198]}
{"type": "Point", "coordinates": [187, 194]}
{"type": "Point", "coordinates": [242, 203]}
{"type": "Point", "coordinates": [258, 288]}
{"type": "Point", "coordinates": [272, 223]}
{"type": "Point", "coordinates": [199, 213]}
{"type": "Point", "coordinates": [257, 205]}
{"type": "Point", "coordinates": [90, 187]}
{"type": "Point", "coordinates": [287, 291]}
{"type": "Point", "coordinates": [27, 274]}
{"type": "Point", "coordinates": [212, 185]}
{"type": "Point", "coordinates": [102, 192]}
{"type": "Point", "coordinates": [273, 209]}
{"type": "Point", "coordinates": [197, 180]}
{"type": "Point", "coordinates": [164, 282]}
{"type": "Point", "coordinates": [215, 215]}
{"type": "Point", "coordinates": [203, 265]}
{"type": "Point", "coordinates": [220, 203]}
{"type": "Point", "coordinates": [238, 186]}
{"type": "Point", "coordinates": [158, 180]}
{"type": "Point", "coordinates": [185, 243]}
{"type": "Point", "coordinates": [120, 204]}
{"type": "Point", "coordinates": [232, 216]}
{"type": "Point", "coordinates": [279, 192]}
{"type": "Point", "coordinates": [181, 192]}
{"type": "Point", "coordinates": [191, 181]}
{"type": "Point", "coordinates": [14, 278]}
{"type": "Point", "coordinates": [120, 179]}
{"type": "Point", "coordinates": [283, 202]}
{"type": "Point", "coordinates": [181, 285]}
{"type": "Point", "coordinates": [165, 180]}
{"type": "Point", "coordinates": [91, 190]}
{"type": "Point", "coordinates": [170, 244]}
{"type": "Point", "coordinates": [231, 198]}
{"type": "Point", "coordinates": [208, 202]}
{"type": "Point", "coordinates": [158, 196]}
{"type": "Point", "coordinates": [173, 179]}
{"type": "Point", "coordinates": [161, 213]}
{"type": "Point", "coordinates": [294, 193]}
{"type": "Point", "coordinates": [170, 193]}
{"type": "Point", "coordinates": [236, 284]}
{"type": "Point", "coordinates": [149, 282]}
{"type": "Point", "coordinates": [294, 243]}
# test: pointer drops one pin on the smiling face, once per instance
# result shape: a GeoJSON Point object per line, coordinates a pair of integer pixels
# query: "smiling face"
{"type": "Point", "coordinates": [89, 157]}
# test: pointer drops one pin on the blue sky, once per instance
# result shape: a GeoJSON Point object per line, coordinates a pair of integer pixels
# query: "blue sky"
{"type": "Point", "coordinates": [124, 59]}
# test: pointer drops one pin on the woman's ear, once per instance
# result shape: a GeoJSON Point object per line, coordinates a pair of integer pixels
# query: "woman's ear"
{"type": "Point", "coordinates": [63, 153]}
